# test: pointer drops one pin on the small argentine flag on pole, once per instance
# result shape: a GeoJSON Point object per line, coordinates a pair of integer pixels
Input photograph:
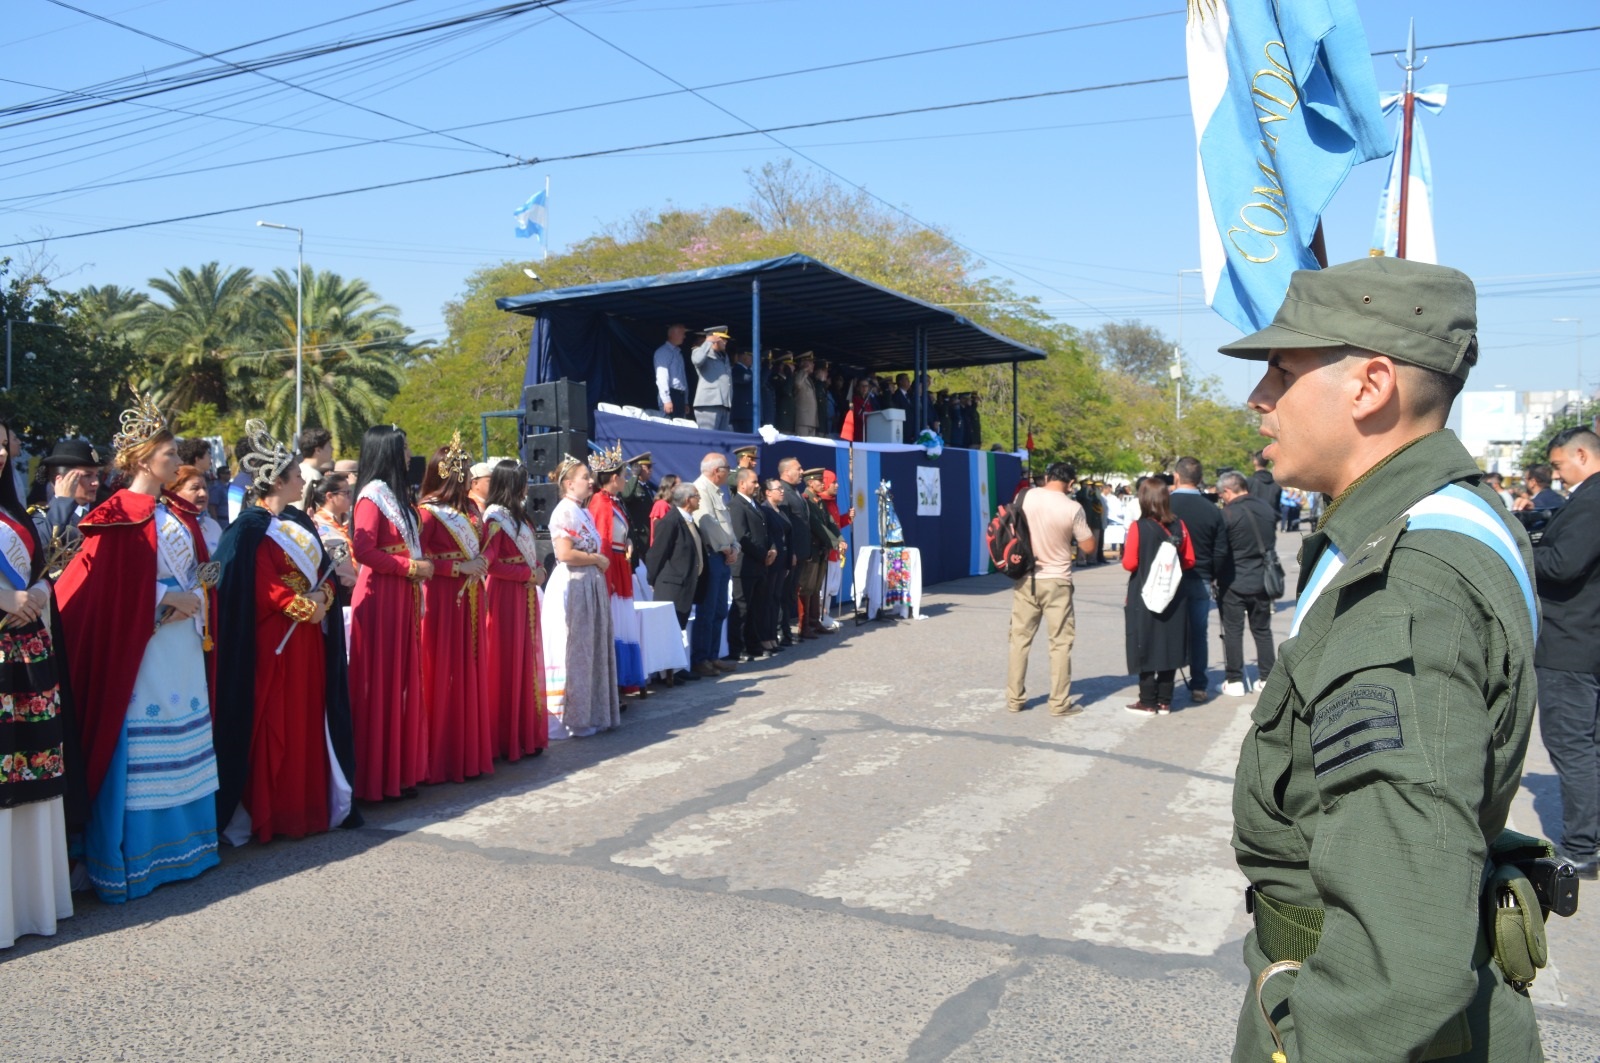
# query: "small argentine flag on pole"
{"type": "Point", "coordinates": [533, 217]}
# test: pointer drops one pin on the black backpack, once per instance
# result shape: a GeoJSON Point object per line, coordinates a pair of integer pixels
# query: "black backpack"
{"type": "Point", "coordinates": [1010, 546]}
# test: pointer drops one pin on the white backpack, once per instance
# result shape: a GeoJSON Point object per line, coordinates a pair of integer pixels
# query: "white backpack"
{"type": "Point", "coordinates": [1165, 574]}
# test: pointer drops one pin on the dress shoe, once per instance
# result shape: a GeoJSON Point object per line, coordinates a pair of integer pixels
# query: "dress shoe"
{"type": "Point", "coordinates": [1198, 697]}
{"type": "Point", "coordinates": [682, 676]}
{"type": "Point", "coordinates": [705, 669]}
{"type": "Point", "coordinates": [725, 666]}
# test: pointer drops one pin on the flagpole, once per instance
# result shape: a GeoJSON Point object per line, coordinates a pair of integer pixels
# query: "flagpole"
{"type": "Point", "coordinates": [1407, 111]}
{"type": "Point", "coordinates": [546, 240]}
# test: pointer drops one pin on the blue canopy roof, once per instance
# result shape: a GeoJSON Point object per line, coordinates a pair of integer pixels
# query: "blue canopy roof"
{"type": "Point", "coordinates": [806, 305]}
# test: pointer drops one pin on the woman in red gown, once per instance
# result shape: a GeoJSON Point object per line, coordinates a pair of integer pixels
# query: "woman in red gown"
{"type": "Point", "coordinates": [460, 728]}
{"type": "Point", "coordinates": [612, 523]}
{"type": "Point", "coordinates": [386, 703]}
{"type": "Point", "coordinates": [513, 661]}
{"type": "Point", "coordinates": [272, 706]}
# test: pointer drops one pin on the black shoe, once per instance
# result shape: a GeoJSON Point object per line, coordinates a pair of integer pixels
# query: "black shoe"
{"type": "Point", "coordinates": [682, 676]}
{"type": "Point", "coordinates": [1582, 866]}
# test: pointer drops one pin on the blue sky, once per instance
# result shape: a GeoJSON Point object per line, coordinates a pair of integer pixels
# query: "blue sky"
{"type": "Point", "coordinates": [1086, 201]}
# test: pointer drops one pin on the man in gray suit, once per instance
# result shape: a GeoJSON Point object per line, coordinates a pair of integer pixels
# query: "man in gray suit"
{"type": "Point", "coordinates": [713, 397]}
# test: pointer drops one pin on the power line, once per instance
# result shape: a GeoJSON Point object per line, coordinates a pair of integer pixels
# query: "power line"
{"type": "Point", "coordinates": [598, 153]}
{"type": "Point", "coordinates": [278, 80]}
{"type": "Point", "coordinates": [1494, 40]}
{"type": "Point", "coordinates": [164, 85]}
{"type": "Point", "coordinates": [794, 151]}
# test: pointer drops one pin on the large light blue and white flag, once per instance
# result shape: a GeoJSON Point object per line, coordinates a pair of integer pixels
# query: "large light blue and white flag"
{"type": "Point", "coordinates": [1284, 104]}
{"type": "Point", "coordinates": [533, 216]}
{"type": "Point", "coordinates": [1419, 197]}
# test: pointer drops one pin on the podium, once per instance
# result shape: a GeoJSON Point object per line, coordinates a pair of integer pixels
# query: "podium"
{"type": "Point", "coordinates": [886, 426]}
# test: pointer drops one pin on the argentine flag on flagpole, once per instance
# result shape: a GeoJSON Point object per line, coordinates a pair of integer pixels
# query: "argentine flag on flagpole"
{"type": "Point", "coordinates": [1285, 103]}
{"type": "Point", "coordinates": [1419, 201]}
{"type": "Point", "coordinates": [534, 215]}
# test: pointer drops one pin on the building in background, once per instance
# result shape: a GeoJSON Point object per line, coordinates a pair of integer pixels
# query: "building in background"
{"type": "Point", "coordinates": [1495, 425]}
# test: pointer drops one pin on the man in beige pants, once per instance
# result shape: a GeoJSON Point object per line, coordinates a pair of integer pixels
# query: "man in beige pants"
{"type": "Point", "coordinates": [1055, 522]}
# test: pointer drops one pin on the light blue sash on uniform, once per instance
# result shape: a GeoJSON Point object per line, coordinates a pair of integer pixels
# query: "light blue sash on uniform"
{"type": "Point", "coordinates": [1451, 508]}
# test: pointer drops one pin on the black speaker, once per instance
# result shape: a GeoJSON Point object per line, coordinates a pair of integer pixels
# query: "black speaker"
{"type": "Point", "coordinates": [543, 452]}
{"type": "Point", "coordinates": [542, 499]}
{"type": "Point", "coordinates": [561, 404]}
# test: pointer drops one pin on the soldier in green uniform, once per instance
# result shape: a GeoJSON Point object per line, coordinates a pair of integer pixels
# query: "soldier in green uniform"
{"type": "Point", "coordinates": [1388, 743]}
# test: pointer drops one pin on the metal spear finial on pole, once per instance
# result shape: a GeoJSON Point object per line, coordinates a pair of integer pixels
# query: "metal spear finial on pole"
{"type": "Point", "coordinates": [1407, 113]}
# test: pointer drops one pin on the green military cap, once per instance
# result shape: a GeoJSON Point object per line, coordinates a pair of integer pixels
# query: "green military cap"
{"type": "Point", "coordinates": [738, 451]}
{"type": "Point", "coordinates": [812, 474]}
{"type": "Point", "coordinates": [1414, 312]}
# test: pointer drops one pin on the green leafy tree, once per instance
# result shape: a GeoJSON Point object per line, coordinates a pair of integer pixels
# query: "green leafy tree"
{"type": "Point", "coordinates": [1536, 450]}
{"type": "Point", "coordinates": [110, 308]}
{"type": "Point", "coordinates": [67, 379]}
{"type": "Point", "coordinates": [192, 339]}
{"type": "Point", "coordinates": [354, 354]}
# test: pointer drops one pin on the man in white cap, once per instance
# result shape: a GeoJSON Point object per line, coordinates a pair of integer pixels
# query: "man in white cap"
{"type": "Point", "coordinates": [478, 490]}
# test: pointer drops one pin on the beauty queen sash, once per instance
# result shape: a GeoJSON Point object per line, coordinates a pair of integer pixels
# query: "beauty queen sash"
{"type": "Point", "coordinates": [301, 546]}
{"type": "Point", "coordinates": [377, 492]}
{"type": "Point", "coordinates": [459, 525]}
{"type": "Point", "coordinates": [522, 536]}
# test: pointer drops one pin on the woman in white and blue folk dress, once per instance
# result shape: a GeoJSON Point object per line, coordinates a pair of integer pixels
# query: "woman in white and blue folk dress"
{"type": "Point", "coordinates": [134, 614]}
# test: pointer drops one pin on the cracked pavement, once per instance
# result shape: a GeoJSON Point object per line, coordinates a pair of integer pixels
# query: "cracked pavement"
{"type": "Point", "coordinates": [852, 852]}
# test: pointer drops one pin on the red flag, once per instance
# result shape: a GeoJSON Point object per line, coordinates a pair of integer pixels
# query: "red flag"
{"type": "Point", "coordinates": [1029, 447]}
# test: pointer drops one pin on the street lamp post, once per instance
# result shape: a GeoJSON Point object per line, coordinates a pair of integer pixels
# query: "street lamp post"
{"type": "Point", "coordinates": [299, 296]}
{"type": "Point", "coordinates": [1577, 321]}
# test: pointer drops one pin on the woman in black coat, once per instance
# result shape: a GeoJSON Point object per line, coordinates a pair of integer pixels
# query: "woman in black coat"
{"type": "Point", "coordinates": [1157, 643]}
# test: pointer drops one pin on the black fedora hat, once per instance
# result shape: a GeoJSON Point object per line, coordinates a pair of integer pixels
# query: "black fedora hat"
{"type": "Point", "coordinates": [73, 454]}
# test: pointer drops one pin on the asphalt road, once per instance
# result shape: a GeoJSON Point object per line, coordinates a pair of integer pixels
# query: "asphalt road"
{"type": "Point", "coordinates": [850, 853]}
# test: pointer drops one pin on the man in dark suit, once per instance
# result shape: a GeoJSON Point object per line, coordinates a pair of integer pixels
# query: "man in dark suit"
{"type": "Point", "coordinates": [744, 382]}
{"type": "Point", "coordinates": [75, 466]}
{"type": "Point", "coordinates": [900, 397]}
{"type": "Point", "coordinates": [750, 573]}
{"type": "Point", "coordinates": [779, 534]}
{"type": "Point", "coordinates": [1540, 494]}
{"type": "Point", "coordinates": [676, 559]}
{"type": "Point", "coordinates": [1241, 583]}
{"type": "Point", "coordinates": [1210, 537]}
{"type": "Point", "coordinates": [798, 510]}
{"type": "Point", "coordinates": [1567, 658]}
{"type": "Point", "coordinates": [1262, 485]}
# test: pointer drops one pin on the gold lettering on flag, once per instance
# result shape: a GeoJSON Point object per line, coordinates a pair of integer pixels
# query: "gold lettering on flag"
{"type": "Point", "coordinates": [1263, 220]}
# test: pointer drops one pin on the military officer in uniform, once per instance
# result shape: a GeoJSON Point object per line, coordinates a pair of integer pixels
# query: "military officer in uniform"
{"type": "Point", "coordinates": [1388, 742]}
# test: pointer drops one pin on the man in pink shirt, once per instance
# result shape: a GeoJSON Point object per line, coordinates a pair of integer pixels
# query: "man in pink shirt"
{"type": "Point", "coordinates": [1055, 522]}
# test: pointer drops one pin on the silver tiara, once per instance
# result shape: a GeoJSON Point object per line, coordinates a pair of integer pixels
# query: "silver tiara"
{"type": "Point", "coordinates": [267, 458]}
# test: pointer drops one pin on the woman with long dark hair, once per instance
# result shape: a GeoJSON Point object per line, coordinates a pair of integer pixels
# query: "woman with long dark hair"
{"type": "Point", "coordinates": [1157, 642]}
{"type": "Point", "coordinates": [35, 888]}
{"type": "Point", "coordinates": [272, 704]}
{"type": "Point", "coordinates": [134, 611]}
{"type": "Point", "coordinates": [513, 660]}
{"type": "Point", "coordinates": [386, 694]}
{"type": "Point", "coordinates": [460, 732]}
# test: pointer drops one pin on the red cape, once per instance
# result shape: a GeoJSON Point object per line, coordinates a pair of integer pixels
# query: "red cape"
{"type": "Point", "coordinates": [107, 617]}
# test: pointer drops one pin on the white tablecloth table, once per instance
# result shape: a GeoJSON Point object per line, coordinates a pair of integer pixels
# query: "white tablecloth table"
{"type": "Point", "coordinates": [870, 585]}
{"type": "Point", "coordinates": [660, 637]}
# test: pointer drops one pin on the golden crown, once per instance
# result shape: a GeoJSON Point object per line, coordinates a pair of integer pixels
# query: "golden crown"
{"type": "Point", "coordinates": [456, 460]}
{"type": "Point", "coordinates": [140, 423]}
{"type": "Point", "coordinates": [608, 459]}
{"type": "Point", "coordinates": [267, 459]}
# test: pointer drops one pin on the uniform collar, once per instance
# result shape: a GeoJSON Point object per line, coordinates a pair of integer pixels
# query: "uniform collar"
{"type": "Point", "coordinates": [1407, 477]}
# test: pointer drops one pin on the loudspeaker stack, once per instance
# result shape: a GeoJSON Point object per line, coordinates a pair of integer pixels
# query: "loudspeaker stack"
{"type": "Point", "coordinates": [557, 420]}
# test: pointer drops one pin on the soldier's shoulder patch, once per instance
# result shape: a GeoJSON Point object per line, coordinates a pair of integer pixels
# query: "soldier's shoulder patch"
{"type": "Point", "coordinates": [1354, 723]}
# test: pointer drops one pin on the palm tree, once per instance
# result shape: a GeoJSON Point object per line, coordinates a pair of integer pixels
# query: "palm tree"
{"type": "Point", "coordinates": [207, 319]}
{"type": "Point", "coordinates": [110, 308]}
{"type": "Point", "coordinates": [354, 352]}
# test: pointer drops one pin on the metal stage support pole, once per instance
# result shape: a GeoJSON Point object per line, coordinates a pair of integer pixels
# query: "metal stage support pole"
{"type": "Point", "coordinates": [755, 354]}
